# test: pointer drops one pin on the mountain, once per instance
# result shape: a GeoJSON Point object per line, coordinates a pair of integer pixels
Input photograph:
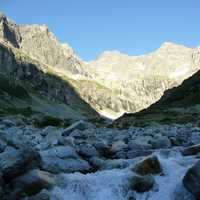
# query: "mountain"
{"type": "Point", "coordinates": [113, 84]}
{"type": "Point", "coordinates": [141, 80]}
{"type": "Point", "coordinates": [44, 91]}
{"type": "Point", "coordinates": [179, 105]}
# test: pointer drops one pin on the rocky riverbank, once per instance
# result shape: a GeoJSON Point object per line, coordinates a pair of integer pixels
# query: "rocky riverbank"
{"type": "Point", "coordinates": [83, 162]}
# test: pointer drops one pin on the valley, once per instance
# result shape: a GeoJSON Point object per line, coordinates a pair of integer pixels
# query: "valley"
{"type": "Point", "coordinates": [119, 127]}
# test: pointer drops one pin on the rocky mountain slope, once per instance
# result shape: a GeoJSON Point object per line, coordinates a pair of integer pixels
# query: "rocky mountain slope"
{"type": "Point", "coordinates": [178, 105]}
{"type": "Point", "coordinates": [113, 84]}
{"type": "Point", "coordinates": [46, 92]}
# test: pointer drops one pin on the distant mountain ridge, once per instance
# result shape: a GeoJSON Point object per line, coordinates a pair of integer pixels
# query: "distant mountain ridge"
{"type": "Point", "coordinates": [113, 84]}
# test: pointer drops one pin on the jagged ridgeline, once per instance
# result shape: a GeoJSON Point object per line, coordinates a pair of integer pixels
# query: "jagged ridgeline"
{"type": "Point", "coordinates": [113, 84]}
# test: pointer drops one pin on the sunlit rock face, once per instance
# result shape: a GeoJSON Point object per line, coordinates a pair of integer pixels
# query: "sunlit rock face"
{"type": "Point", "coordinates": [141, 80]}
{"type": "Point", "coordinates": [113, 84]}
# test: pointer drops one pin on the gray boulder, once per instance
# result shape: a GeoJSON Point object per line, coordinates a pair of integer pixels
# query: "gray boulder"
{"type": "Point", "coordinates": [62, 152]}
{"type": "Point", "coordinates": [63, 159]}
{"type": "Point", "coordinates": [191, 180]}
{"type": "Point", "coordinates": [57, 165]}
{"type": "Point", "coordinates": [87, 150]}
{"type": "Point", "coordinates": [15, 162]}
{"type": "Point", "coordinates": [160, 142]}
{"type": "Point", "coordinates": [33, 181]}
{"type": "Point", "coordinates": [80, 125]}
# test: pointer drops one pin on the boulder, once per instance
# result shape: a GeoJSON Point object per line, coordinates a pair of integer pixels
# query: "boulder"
{"type": "Point", "coordinates": [192, 150]}
{"type": "Point", "coordinates": [149, 165]}
{"type": "Point", "coordinates": [32, 182]}
{"type": "Point", "coordinates": [42, 195]}
{"type": "Point", "coordinates": [63, 159]}
{"type": "Point", "coordinates": [160, 142]}
{"type": "Point", "coordinates": [80, 125]}
{"type": "Point", "coordinates": [70, 165]}
{"type": "Point", "coordinates": [138, 153]}
{"type": "Point", "coordinates": [142, 183]}
{"type": "Point", "coordinates": [87, 150]}
{"type": "Point", "coordinates": [191, 180]}
{"type": "Point", "coordinates": [3, 145]}
{"type": "Point", "coordinates": [103, 148]}
{"type": "Point", "coordinates": [15, 162]}
{"type": "Point", "coordinates": [62, 152]}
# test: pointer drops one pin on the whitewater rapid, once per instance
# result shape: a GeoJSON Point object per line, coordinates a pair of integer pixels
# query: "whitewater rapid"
{"type": "Point", "coordinates": [115, 184]}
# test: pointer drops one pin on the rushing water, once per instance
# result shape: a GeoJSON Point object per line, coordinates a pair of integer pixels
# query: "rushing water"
{"type": "Point", "coordinates": [114, 184]}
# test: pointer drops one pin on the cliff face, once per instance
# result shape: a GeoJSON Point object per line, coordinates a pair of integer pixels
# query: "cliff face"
{"type": "Point", "coordinates": [180, 105]}
{"type": "Point", "coordinates": [113, 84]}
{"type": "Point", "coordinates": [142, 79]}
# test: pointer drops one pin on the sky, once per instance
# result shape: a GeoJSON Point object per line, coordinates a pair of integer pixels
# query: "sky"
{"type": "Point", "coordinates": [90, 27]}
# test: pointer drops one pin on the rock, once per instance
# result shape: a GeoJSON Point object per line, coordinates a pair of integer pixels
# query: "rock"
{"type": "Point", "coordinates": [87, 150]}
{"type": "Point", "coordinates": [3, 145]}
{"type": "Point", "coordinates": [138, 153]}
{"type": "Point", "coordinates": [118, 146]}
{"type": "Point", "coordinates": [192, 150]}
{"type": "Point", "coordinates": [149, 165]}
{"type": "Point", "coordinates": [181, 193]}
{"type": "Point", "coordinates": [103, 148]}
{"type": "Point", "coordinates": [43, 195]}
{"type": "Point", "coordinates": [33, 181]}
{"type": "Point", "coordinates": [96, 162]}
{"type": "Point", "coordinates": [8, 122]}
{"type": "Point", "coordinates": [160, 142]}
{"type": "Point", "coordinates": [62, 152]}
{"type": "Point", "coordinates": [114, 164]}
{"type": "Point", "coordinates": [67, 141]}
{"type": "Point", "coordinates": [142, 183]}
{"type": "Point", "coordinates": [191, 180]}
{"type": "Point", "coordinates": [63, 159]}
{"type": "Point", "coordinates": [80, 125]}
{"type": "Point", "coordinates": [15, 162]}
{"type": "Point", "coordinates": [70, 165]}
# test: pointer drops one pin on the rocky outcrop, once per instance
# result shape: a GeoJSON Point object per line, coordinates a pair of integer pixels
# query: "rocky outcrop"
{"type": "Point", "coordinates": [191, 180]}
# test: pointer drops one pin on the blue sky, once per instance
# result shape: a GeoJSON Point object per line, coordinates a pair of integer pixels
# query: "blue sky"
{"type": "Point", "coordinates": [131, 26]}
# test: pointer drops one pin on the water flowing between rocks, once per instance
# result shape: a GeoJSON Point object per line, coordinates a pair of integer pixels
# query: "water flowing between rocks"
{"type": "Point", "coordinates": [115, 184]}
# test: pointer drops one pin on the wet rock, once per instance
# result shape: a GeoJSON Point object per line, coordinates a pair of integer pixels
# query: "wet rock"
{"type": "Point", "coordinates": [33, 181]}
{"type": "Point", "coordinates": [191, 180]}
{"type": "Point", "coordinates": [192, 150]}
{"type": "Point", "coordinates": [96, 162]}
{"type": "Point", "coordinates": [15, 162]}
{"type": "Point", "coordinates": [182, 194]}
{"type": "Point", "coordinates": [149, 165]}
{"type": "Point", "coordinates": [142, 183]}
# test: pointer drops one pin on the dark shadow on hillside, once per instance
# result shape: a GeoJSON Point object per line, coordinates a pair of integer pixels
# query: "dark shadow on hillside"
{"type": "Point", "coordinates": [15, 64]}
